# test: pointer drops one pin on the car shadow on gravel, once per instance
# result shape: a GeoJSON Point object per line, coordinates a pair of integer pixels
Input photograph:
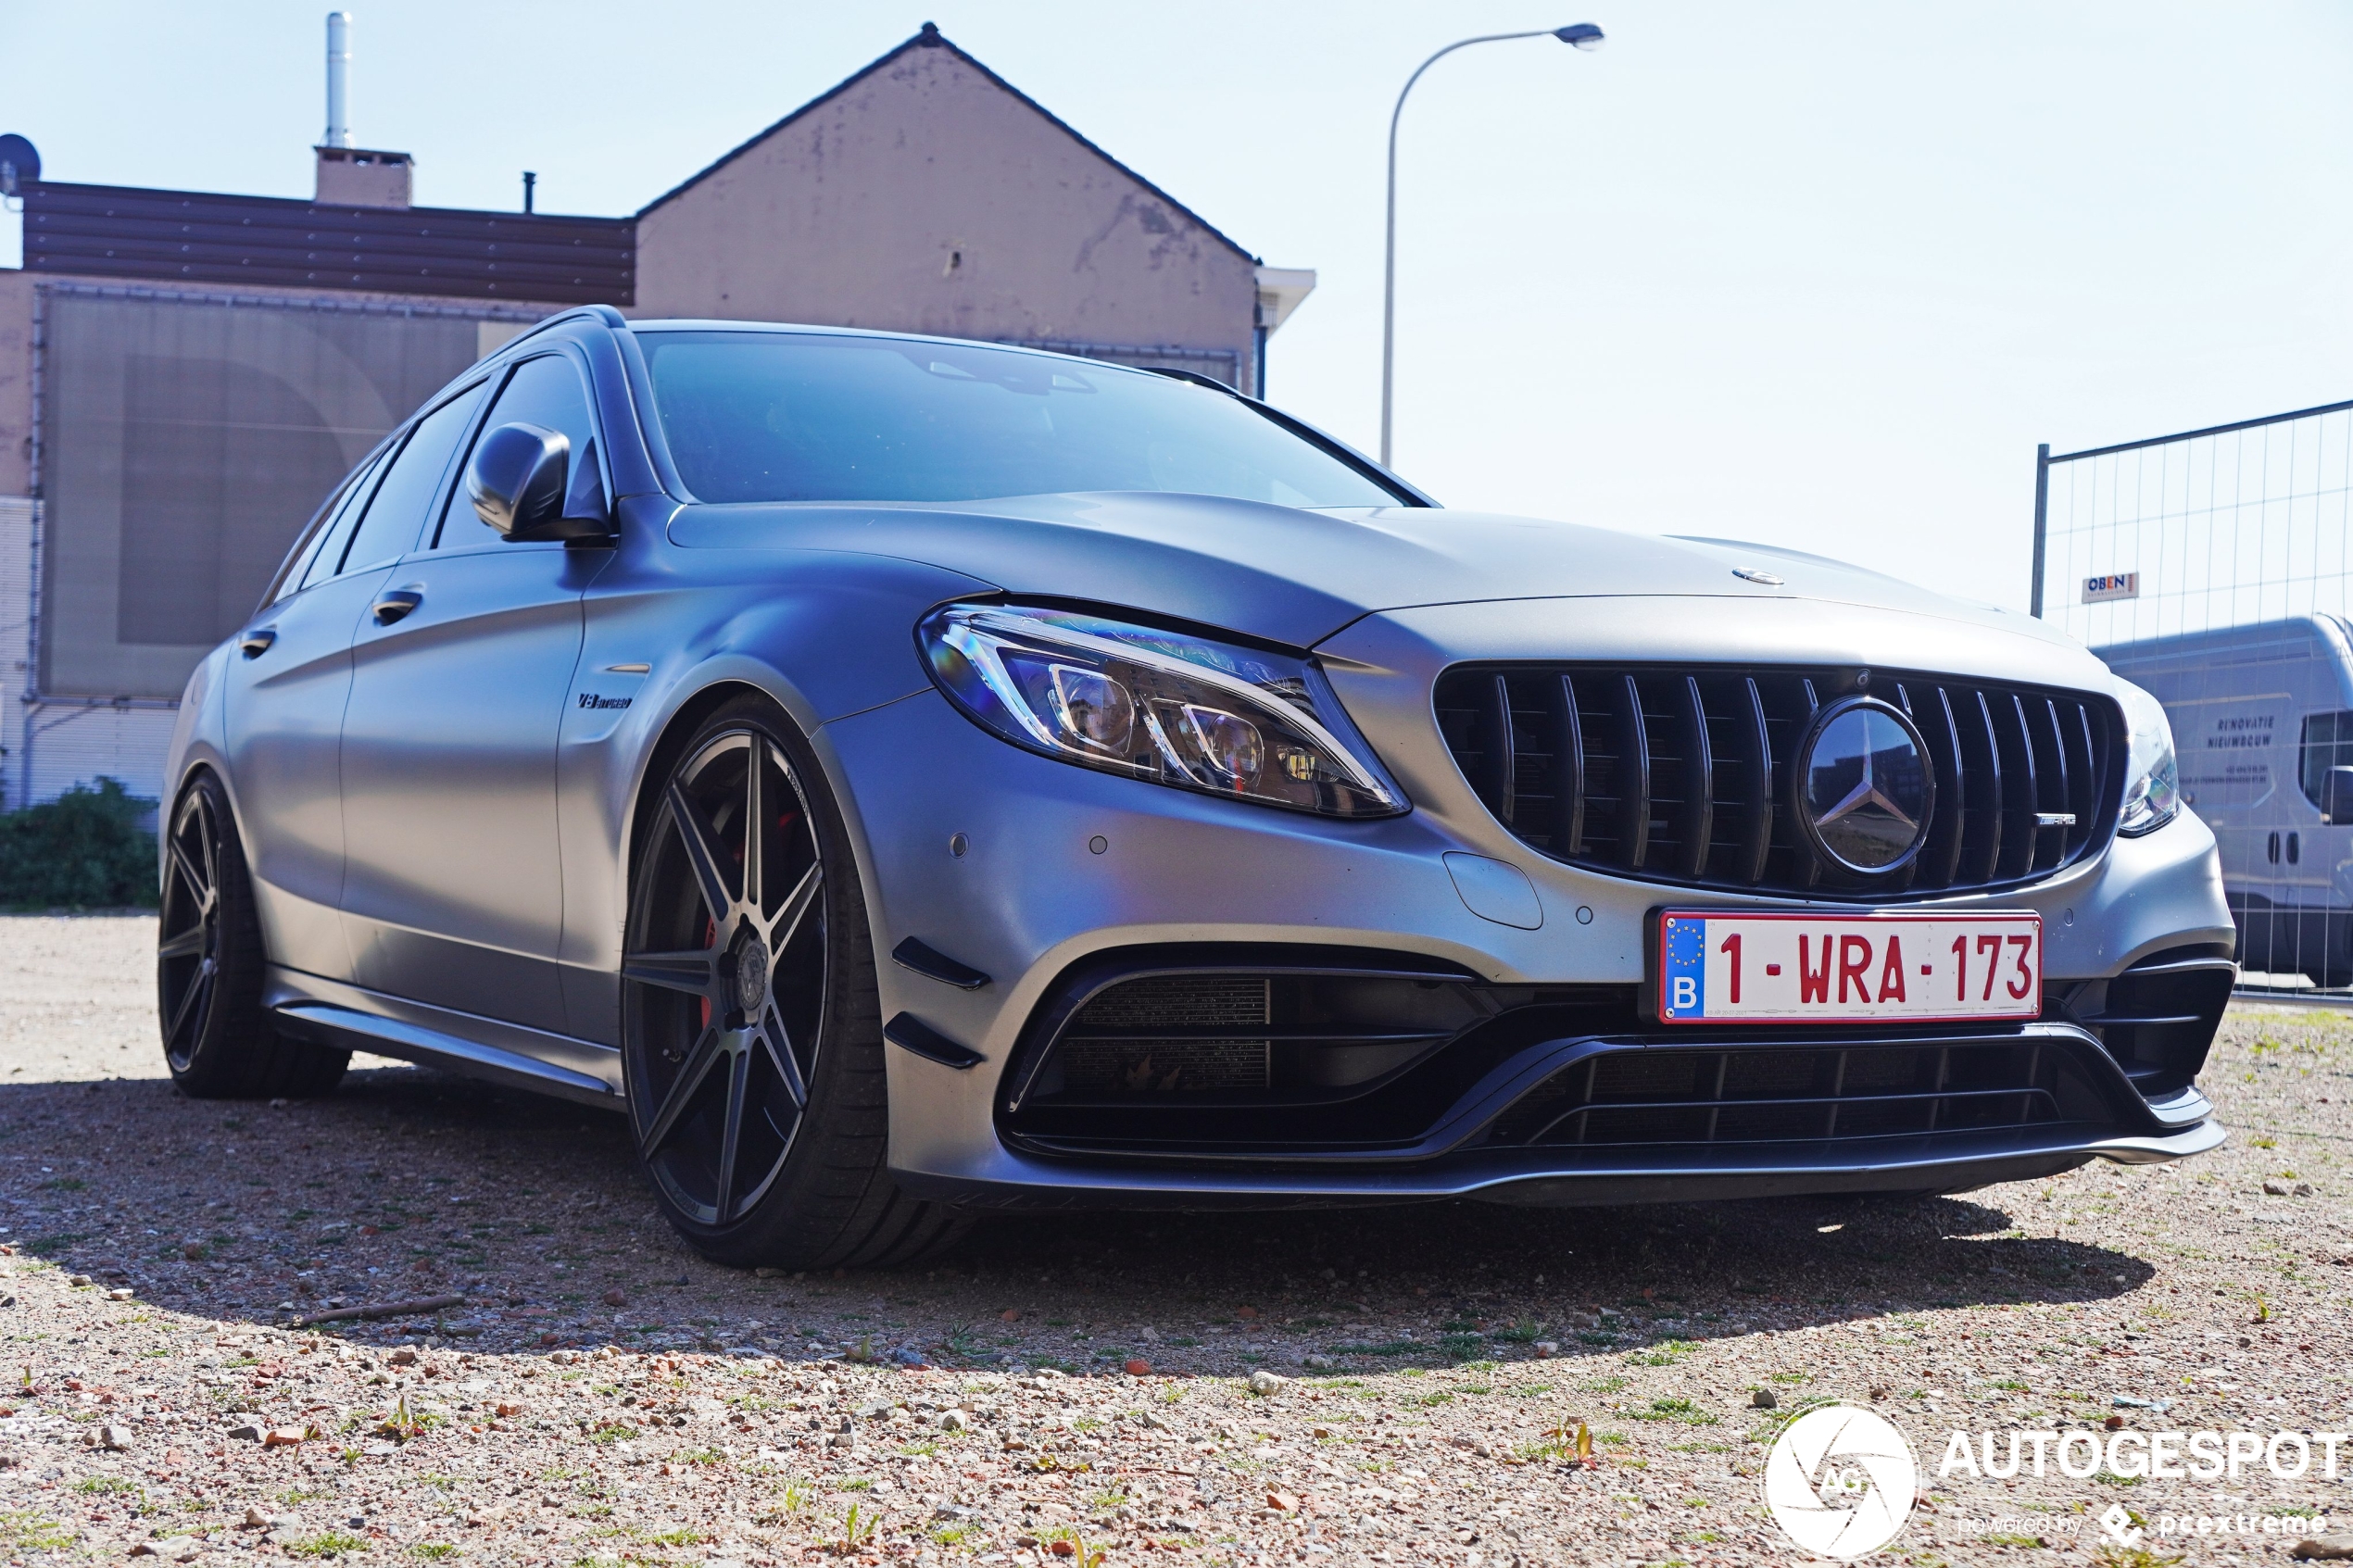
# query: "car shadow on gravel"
{"type": "Point", "coordinates": [408, 1182]}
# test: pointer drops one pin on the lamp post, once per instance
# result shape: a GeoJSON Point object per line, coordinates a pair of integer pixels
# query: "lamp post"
{"type": "Point", "coordinates": [1581, 35]}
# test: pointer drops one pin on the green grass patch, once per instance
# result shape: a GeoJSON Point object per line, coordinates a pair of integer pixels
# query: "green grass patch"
{"type": "Point", "coordinates": [1682, 1410]}
{"type": "Point", "coordinates": [328, 1543]}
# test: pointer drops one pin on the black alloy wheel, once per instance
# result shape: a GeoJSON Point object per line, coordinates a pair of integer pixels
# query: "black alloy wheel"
{"type": "Point", "coordinates": [736, 933]}
{"type": "Point", "coordinates": [188, 936]}
{"type": "Point", "coordinates": [218, 1039]}
{"type": "Point", "coordinates": [752, 1032]}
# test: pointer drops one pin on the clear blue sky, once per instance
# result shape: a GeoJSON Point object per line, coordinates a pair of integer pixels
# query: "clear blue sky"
{"type": "Point", "coordinates": [1821, 274]}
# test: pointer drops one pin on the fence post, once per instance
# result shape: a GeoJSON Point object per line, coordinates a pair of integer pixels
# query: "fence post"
{"type": "Point", "coordinates": [2041, 519]}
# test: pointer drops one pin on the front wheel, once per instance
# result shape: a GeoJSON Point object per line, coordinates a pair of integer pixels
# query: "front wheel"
{"type": "Point", "coordinates": [752, 1032]}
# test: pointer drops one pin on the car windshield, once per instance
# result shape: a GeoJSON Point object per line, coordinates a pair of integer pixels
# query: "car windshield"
{"type": "Point", "coordinates": [808, 416]}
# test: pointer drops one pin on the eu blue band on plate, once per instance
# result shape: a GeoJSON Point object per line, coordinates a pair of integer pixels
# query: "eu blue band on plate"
{"type": "Point", "coordinates": [1682, 981]}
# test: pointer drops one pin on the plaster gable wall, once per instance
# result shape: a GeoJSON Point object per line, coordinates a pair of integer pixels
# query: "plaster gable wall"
{"type": "Point", "coordinates": [925, 198]}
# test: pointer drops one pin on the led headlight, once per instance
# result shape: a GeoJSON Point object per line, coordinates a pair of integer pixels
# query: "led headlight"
{"type": "Point", "coordinates": [1164, 705]}
{"type": "Point", "coordinates": [2152, 779]}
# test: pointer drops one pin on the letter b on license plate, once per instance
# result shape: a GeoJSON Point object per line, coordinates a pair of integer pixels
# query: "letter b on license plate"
{"type": "Point", "coordinates": [1793, 968]}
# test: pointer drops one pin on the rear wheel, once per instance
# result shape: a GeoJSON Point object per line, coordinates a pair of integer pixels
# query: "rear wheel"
{"type": "Point", "coordinates": [751, 1033]}
{"type": "Point", "coordinates": [218, 1039]}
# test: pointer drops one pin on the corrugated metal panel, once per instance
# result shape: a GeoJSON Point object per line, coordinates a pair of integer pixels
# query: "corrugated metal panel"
{"type": "Point", "coordinates": [17, 515]}
{"type": "Point", "coordinates": [192, 237]}
{"type": "Point", "coordinates": [70, 745]}
{"type": "Point", "coordinates": [184, 441]}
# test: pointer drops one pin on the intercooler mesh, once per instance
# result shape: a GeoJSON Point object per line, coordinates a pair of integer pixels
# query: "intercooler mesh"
{"type": "Point", "coordinates": [1140, 1062]}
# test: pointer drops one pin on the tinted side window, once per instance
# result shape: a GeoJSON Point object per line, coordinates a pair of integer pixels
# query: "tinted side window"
{"type": "Point", "coordinates": [397, 514]}
{"type": "Point", "coordinates": [2328, 742]}
{"type": "Point", "coordinates": [325, 548]}
{"type": "Point", "coordinates": [547, 392]}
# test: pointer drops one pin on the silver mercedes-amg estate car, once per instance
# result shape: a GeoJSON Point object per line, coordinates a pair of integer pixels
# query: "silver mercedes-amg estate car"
{"type": "Point", "coordinates": [909, 776]}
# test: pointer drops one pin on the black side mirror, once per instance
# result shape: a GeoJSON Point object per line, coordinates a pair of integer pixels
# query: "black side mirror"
{"type": "Point", "coordinates": [2336, 796]}
{"type": "Point", "coordinates": [520, 483]}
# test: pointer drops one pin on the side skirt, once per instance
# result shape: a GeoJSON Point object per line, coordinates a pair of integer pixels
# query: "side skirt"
{"type": "Point", "coordinates": [347, 1017]}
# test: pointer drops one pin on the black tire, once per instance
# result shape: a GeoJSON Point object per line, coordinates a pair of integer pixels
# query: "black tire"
{"type": "Point", "coordinates": [218, 1039]}
{"type": "Point", "coordinates": [751, 1030]}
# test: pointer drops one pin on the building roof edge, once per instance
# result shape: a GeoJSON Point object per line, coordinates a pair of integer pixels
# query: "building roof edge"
{"type": "Point", "coordinates": [930, 37]}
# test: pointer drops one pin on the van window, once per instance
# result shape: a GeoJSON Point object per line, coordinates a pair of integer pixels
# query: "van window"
{"type": "Point", "coordinates": [2328, 742]}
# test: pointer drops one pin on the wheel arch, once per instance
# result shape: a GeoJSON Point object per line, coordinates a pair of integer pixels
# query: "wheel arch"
{"type": "Point", "coordinates": [696, 701]}
{"type": "Point", "coordinates": [195, 765]}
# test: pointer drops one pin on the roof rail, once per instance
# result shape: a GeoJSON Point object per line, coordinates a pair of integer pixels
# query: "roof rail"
{"type": "Point", "coordinates": [604, 315]}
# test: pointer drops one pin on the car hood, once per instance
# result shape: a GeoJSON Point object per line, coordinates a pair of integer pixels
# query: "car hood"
{"type": "Point", "coordinates": [1297, 576]}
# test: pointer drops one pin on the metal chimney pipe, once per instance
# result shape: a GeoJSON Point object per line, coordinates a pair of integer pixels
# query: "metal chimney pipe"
{"type": "Point", "coordinates": [338, 80]}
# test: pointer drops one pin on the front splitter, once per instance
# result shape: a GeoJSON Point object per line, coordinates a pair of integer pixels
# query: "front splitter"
{"type": "Point", "coordinates": [1527, 1177]}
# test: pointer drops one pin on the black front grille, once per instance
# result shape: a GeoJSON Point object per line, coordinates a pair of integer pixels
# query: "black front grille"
{"type": "Point", "coordinates": [1685, 774]}
{"type": "Point", "coordinates": [1803, 1093]}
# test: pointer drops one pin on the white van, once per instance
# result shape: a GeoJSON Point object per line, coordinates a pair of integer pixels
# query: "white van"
{"type": "Point", "coordinates": [2263, 726]}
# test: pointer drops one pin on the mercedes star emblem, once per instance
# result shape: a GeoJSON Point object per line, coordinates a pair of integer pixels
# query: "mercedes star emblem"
{"type": "Point", "coordinates": [1865, 787]}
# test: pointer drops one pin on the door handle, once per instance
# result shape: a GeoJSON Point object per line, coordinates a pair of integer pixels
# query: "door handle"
{"type": "Point", "coordinates": [255, 642]}
{"type": "Point", "coordinates": [394, 604]}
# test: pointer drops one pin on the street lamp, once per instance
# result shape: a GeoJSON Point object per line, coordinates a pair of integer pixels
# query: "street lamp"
{"type": "Point", "coordinates": [1579, 35]}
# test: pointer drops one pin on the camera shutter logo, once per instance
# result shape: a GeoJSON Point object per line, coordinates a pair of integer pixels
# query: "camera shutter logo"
{"type": "Point", "coordinates": [1841, 1481]}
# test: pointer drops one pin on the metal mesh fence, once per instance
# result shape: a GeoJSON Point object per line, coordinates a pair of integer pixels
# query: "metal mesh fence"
{"type": "Point", "coordinates": [2212, 569]}
{"type": "Point", "coordinates": [2224, 527]}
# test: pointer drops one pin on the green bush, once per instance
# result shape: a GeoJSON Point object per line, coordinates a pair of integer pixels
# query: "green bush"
{"type": "Point", "coordinates": [88, 848]}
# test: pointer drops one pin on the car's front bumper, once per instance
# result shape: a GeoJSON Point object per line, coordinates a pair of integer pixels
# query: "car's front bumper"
{"type": "Point", "coordinates": [1060, 865]}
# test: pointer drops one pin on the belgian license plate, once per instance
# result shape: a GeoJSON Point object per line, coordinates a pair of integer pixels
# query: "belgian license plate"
{"type": "Point", "coordinates": [1807, 968]}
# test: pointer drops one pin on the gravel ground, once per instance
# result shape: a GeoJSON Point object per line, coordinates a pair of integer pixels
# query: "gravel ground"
{"type": "Point", "coordinates": [602, 1396]}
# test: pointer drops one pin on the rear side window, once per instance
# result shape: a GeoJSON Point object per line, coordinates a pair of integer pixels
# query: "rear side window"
{"type": "Point", "coordinates": [2328, 742]}
{"type": "Point", "coordinates": [397, 512]}
{"type": "Point", "coordinates": [547, 392]}
{"type": "Point", "coordinates": [326, 546]}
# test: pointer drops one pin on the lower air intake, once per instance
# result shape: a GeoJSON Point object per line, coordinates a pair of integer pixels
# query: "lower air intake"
{"type": "Point", "coordinates": [1172, 1036]}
